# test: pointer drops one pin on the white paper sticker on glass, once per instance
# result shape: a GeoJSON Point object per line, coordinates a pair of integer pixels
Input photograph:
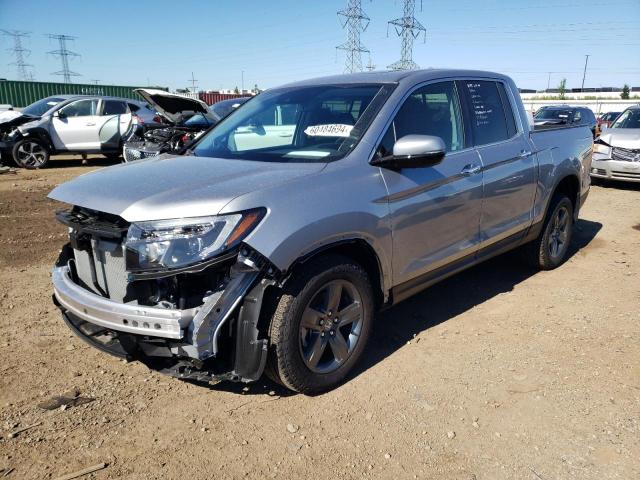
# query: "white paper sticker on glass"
{"type": "Point", "coordinates": [329, 130]}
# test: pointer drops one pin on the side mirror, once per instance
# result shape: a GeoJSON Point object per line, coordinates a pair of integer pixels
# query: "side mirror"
{"type": "Point", "coordinates": [413, 151]}
{"type": "Point", "coordinates": [59, 114]}
{"type": "Point", "coordinates": [603, 127]}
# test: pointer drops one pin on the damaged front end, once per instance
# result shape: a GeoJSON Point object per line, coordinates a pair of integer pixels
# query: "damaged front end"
{"type": "Point", "coordinates": [196, 320]}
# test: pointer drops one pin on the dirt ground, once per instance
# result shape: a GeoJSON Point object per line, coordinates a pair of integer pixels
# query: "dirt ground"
{"type": "Point", "coordinates": [498, 373]}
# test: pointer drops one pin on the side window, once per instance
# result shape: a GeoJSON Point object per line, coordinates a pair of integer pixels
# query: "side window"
{"type": "Point", "coordinates": [430, 110]}
{"type": "Point", "coordinates": [508, 110]}
{"type": "Point", "coordinates": [112, 107]}
{"type": "Point", "coordinates": [487, 113]}
{"type": "Point", "coordinates": [577, 116]}
{"type": "Point", "coordinates": [81, 108]}
{"type": "Point", "coordinates": [386, 145]}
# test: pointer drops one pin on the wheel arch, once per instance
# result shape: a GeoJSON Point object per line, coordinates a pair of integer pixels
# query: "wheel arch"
{"type": "Point", "coordinates": [570, 186]}
{"type": "Point", "coordinates": [361, 252]}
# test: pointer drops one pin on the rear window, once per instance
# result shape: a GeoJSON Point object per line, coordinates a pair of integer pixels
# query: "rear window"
{"type": "Point", "coordinates": [488, 120]}
{"type": "Point", "coordinates": [553, 114]}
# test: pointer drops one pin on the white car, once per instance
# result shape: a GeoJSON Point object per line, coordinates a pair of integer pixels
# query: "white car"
{"type": "Point", "coordinates": [68, 124]}
{"type": "Point", "coordinates": [616, 153]}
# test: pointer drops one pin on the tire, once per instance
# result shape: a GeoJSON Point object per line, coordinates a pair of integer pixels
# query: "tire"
{"type": "Point", "coordinates": [30, 153]}
{"type": "Point", "coordinates": [549, 250]}
{"type": "Point", "coordinates": [310, 295]}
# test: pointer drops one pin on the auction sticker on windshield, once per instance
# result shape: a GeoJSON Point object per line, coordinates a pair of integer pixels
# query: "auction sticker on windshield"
{"type": "Point", "coordinates": [329, 130]}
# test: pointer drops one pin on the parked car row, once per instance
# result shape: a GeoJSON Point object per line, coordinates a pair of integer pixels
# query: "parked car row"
{"type": "Point", "coordinates": [83, 124]}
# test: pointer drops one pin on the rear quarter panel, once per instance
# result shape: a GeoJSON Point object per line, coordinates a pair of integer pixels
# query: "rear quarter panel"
{"type": "Point", "coordinates": [561, 152]}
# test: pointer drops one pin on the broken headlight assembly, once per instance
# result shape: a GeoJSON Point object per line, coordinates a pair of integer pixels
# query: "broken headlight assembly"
{"type": "Point", "coordinates": [175, 244]}
{"type": "Point", "coordinates": [599, 146]}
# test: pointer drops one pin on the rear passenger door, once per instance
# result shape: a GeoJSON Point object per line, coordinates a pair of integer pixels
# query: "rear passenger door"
{"type": "Point", "coordinates": [509, 165]}
{"type": "Point", "coordinates": [435, 210]}
{"type": "Point", "coordinates": [115, 119]}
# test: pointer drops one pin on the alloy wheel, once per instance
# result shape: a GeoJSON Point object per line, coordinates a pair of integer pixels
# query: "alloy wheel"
{"type": "Point", "coordinates": [31, 154]}
{"type": "Point", "coordinates": [330, 326]}
{"type": "Point", "coordinates": [557, 242]}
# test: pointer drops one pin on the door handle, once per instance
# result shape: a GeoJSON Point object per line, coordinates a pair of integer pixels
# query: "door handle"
{"type": "Point", "coordinates": [471, 169]}
{"type": "Point", "coordinates": [90, 124]}
{"type": "Point", "coordinates": [525, 153]}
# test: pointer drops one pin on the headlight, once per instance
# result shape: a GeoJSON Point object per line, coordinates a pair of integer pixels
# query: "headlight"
{"type": "Point", "coordinates": [169, 244]}
{"type": "Point", "coordinates": [601, 148]}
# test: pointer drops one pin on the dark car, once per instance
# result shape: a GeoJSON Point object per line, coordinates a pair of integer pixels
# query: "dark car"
{"type": "Point", "coordinates": [607, 119]}
{"type": "Point", "coordinates": [553, 116]}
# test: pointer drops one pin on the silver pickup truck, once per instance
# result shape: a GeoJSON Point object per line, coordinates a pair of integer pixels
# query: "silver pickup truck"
{"type": "Point", "coordinates": [270, 244]}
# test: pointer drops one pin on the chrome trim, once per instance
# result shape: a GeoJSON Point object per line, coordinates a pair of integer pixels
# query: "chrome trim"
{"type": "Point", "coordinates": [160, 322]}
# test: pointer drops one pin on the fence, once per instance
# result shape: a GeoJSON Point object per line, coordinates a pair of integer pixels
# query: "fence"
{"type": "Point", "coordinates": [597, 106]}
{"type": "Point", "coordinates": [20, 93]}
{"type": "Point", "coordinates": [212, 97]}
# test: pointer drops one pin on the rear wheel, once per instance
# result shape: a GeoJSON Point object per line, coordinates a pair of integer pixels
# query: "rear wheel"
{"type": "Point", "coordinates": [30, 153]}
{"type": "Point", "coordinates": [549, 250]}
{"type": "Point", "coordinates": [321, 325]}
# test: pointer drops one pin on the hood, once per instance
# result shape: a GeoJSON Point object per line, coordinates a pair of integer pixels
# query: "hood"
{"type": "Point", "coordinates": [11, 119]}
{"type": "Point", "coordinates": [168, 186]}
{"type": "Point", "coordinates": [622, 138]}
{"type": "Point", "coordinates": [170, 105]}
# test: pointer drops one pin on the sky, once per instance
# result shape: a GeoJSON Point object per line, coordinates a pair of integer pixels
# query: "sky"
{"type": "Point", "coordinates": [537, 42]}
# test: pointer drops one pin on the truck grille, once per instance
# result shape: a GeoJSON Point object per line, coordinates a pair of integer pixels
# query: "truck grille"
{"type": "Point", "coordinates": [625, 154]}
{"type": "Point", "coordinates": [131, 153]}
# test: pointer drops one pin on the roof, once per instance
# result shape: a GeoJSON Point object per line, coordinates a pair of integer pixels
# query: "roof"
{"type": "Point", "coordinates": [394, 76]}
{"type": "Point", "coordinates": [104, 97]}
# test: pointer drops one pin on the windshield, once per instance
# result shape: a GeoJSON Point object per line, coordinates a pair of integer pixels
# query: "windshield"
{"type": "Point", "coordinates": [548, 114]}
{"type": "Point", "coordinates": [37, 109]}
{"type": "Point", "coordinates": [628, 119]}
{"type": "Point", "coordinates": [302, 124]}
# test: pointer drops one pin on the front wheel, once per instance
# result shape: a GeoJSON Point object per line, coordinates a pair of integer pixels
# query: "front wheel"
{"type": "Point", "coordinates": [30, 153]}
{"type": "Point", "coordinates": [321, 325]}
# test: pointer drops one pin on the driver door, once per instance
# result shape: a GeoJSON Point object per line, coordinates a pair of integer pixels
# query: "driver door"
{"type": "Point", "coordinates": [435, 210]}
{"type": "Point", "coordinates": [76, 126]}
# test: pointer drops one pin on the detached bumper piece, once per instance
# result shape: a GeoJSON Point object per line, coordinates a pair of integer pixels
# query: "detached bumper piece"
{"type": "Point", "coordinates": [215, 341]}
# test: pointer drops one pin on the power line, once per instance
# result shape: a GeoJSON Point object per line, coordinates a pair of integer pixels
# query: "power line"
{"type": "Point", "coordinates": [19, 52]}
{"type": "Point", "coordinates": [584, 75]}
{"type": "Point", "coordinates": [193, 82]}
{"type": "Point", "coordinates": [355, 21]}
{"type": "Point", "coordinates": [408, 28]}
{"type": "Point", "coordinates": [64, 55]}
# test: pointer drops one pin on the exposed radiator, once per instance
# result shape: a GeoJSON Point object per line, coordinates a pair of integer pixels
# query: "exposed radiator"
{"type": "Point", "coordinates": [110, 269]}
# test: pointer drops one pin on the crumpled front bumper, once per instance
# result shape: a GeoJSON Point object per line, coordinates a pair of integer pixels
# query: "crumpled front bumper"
{"type": "Point", "coordinates": [92, 308]}
{"type": "Point", "coordinates": [180, 343]}
{"type": "Point", "coordinates": [603, 166]}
